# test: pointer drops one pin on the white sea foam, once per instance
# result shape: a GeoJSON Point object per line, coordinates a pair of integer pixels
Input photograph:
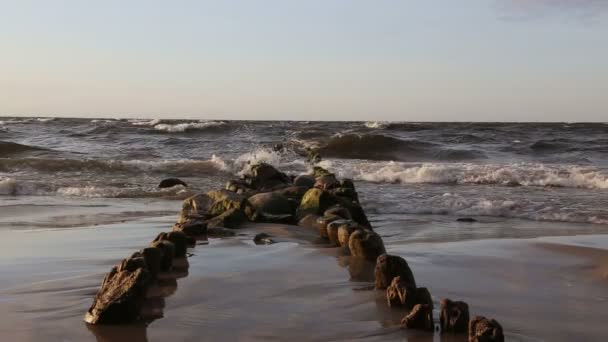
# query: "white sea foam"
{"type": "Point", "coordinates": [140, 122]}
{"type": "Point", "coordinates": [376, 124]}
{"type": "Point", "coordinates": [188, 126]}
{"type": "Point", "coordinates": [569, 176]}
{"type": "Point", "coordinates": [8, 186]}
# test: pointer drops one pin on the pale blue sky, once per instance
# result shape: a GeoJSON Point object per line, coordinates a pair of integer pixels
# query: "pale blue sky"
{"type": "Point", "coordinates": [490, 60]}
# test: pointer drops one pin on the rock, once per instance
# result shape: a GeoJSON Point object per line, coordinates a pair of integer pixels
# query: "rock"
{"type": "Point", "coordinates": [237, 186]}
{"type": "Point", "coordinates": [344, 232]}
{"type": "Point", "coordinates": [322, 223]}
{"type": "Point", "coordinates": [318, 171]}
{"type": "Point", "coordinates": [192, 227]}
{"type": "Point", "coordinates": [153, 256]}
{"type": "Point", "coordinates": [391, 266]}
{"type": "Point", "coordinates": [180, 242]}
{"type": "Point", "coordinates": [356, 212]}
{"type": "Point", "coordinates": [213, 203]}
{"type": "Point", "coordinates": [294, 193]}
{"type": "Point", "coordinates": [346, 194]}
{"type": "Point", "coordinates": [398, 294]}
{"type": "Point", "coordinates": [231, 218]}
{"type": "Point", "coordinates": [327, 182]}
{"type": "Point", "coordinates": [315, 201]}
{"type": "Point", "coordinates": [420, 317]}
{"type": "Point", "coordinates": [263, 239]}
{"type": "Point", "coordinates": [219, 232]}
{"type": "Point", "coordinates": [347, 183]}
{"type": "Point", "coordinates": [167, 249]}
{"type": "Point", "coordinates": [305, 181]}
{"type": "Point", "coordinates": [367, 244]}
{"type": "Point", "coordinates": [454, 316]}
{"type": "Point", "coordinates": [332, 230]}
{"type": "Point", "coordinates": [265, 177]}
{"type": "Point", "coordinates": [171, 182]}
{"type": "Point", "coordinates": [482, 329]}
{"type": "Point", "coordinates": [309, 220]}
{"type": "Point", "coordinates": [120, 298]}
{"type": "Point", "coordinates": [338, 210]}
{"type": "Point", "coordinates": [272, 203]}
{"type": "Point", "coordinates": [466, 219]}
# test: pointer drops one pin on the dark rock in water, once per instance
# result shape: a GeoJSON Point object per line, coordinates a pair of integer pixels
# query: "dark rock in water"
{"type": "Point", "coordinates": [421, 318]}
{"type": "Point", "coordinates": [168, 253]}
{"type": "Point", "coordinates": [192, 227]}
{"type": "Point", "coordinates": [318, 171]}
{"type": "Point", "coordinates": [237, 186]}
{"type": "Point", "coordinates": [314, 157]}
{"type": "Point", "coordinates": [120, 298]}
{"type": "Point", "coordinates": [346, 194]}
{"type": "Point", "coordinates": [305, 181]}
{"type": "Point", "coordinates": [466, 219]}
{"type": "Point", "coordinates": [211, 204]}
{"type": "Point", "coordinates": [344, 232]}
{"type": "Point", "coordinates": [272, 203]}
{"type": "Point", "coordinates": [327, 182]}
{"type": "Point", "coordinates": [367, 244]}
{"type": "Point", "coordinates": [482, 329]}
{"type": "Point", "coordinates": [219, 232]}
{"type": "Point", "coordinates": [322, 223]}
{"type": "Point", "coordinates": [360, 269]}
{"type": "Point", "coordinates": [338, 210]}
{"type": "Point", "coordinates": [391, 266]}
{"type": "Point", "coordinates": [171, 182]}
{"type": "Point", "coordinates": [347, 183]}
{"type": "Point", "coordinates": [399, 294]}
{"type": "Point", "coordinates": [153, 257]}
{"type": "Point", "coordinates": [180, 241]}
{"type": "Point", "coordinates": [454, 316]}
{"type": "Point", "coordinates": [263, 239]}
{"type": "Point", "coordinates": [356, 212]}
{"type": "Point", "coordinates": [232, 218]}
{"type": "Point", "coordinates": [278, 147]}
{"type": "Point", "coordinates": [265, 177]}
{"type": "Point", "coordinates": [309, 220]}
{"type": "Point", "coordinates": [332, 230]}
{"type": "Point", "coordinates": [315, 201]}
{"type": "Point", "coordinates": [294, 193]}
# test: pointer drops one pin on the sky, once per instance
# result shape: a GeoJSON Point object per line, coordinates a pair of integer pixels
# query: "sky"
{"type": "Point", "coordinates": [427, 60]}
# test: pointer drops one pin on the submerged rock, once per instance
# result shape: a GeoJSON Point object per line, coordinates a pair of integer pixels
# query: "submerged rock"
{"type": "Point", "coordinates": [121, 296]}
{"type": "Point", "coordinates": [171, 182]}
{"type": "Point", "coordinates": [345, 231]}
{"type": "Point", "coordinates": [482, 329]}
{"type": "Point", "coordinates": [263, 239]}
{"type": "Point", "coordinates": [420, 317]}
{"type": "Point", "coordinates": [192, 227]}
{"type": "Point", "coordinates": [466, 219]}
{"type": "Point", "coordinates": [398, 294]}
{"type": "Point", "coordinates": [332, 230]}
{"type": "Point", "coordinates": [391, 266]}
{"type": "Point", "coordinates": [180, 241]}
{"type": "Point", "coordinates": [305, 181]}
{"type": "Point", "coordinates": [231, 218]}
{"type": "Point", "coordinates": [167, 249]}
{"type": "Point", "coordinates": [454, 316]}
{"type": "Point", "coordinates": [366, 244]}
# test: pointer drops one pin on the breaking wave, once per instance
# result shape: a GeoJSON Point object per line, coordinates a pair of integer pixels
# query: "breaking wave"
{"type": "Point", "coordinates": [187, 126]}
{"type": "Point", "coordinates": [540, 175]}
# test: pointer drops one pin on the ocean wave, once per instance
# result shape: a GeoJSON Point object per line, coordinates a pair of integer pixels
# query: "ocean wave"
{"type": "Point", "coordinates": [178, 168]}
{"type": "Point", "coordinates": [457, 205]}
{"type": "Point", "coordinates": [384, 147]}
{"type": "Point", "coordinates": [187, 126]}
{"type": "Point", "coordinates": [143, 122]}
{"type": "Point", "coordinates": [9, 148]}
{"type": "Point", "coordinates": [539, 175]}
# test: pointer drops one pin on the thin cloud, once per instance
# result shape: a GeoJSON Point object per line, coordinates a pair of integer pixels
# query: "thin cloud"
{"type": "Point", "coordinates": [581, 10]}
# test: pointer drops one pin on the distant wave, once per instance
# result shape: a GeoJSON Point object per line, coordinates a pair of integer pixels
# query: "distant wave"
{"type": "Point", "coordinates": [178, 168]}
{"type": "Point", "coordinates": [539, 175]}
{"type": "Point", "coordinates": [187, 126]}
{"type": "Point", "coordinates": [8, 148]}
{"type": "Point", "coordinates": [383, 147]}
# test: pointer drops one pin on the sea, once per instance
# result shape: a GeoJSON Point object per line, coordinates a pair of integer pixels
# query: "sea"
{"type": "Point", "coordinates": [418, 178]}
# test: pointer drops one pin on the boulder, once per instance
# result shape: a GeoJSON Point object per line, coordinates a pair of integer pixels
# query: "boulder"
{"type": "Point", "coordinates": [347, 183]}
{"type": "Point", "coordinates": [120, 298]}
{"type": "Point", "coordinates": [153, 256]}
{"type": "Point", "coordinates": [346, 194]}
{"type": "Point", "coordinates": [318, 171]}
{"type": "Point", "coordinates": [454, 316]}
{"type": "Point", "coordinates": [326, 182]}
{"type": "Point", "coordinates": [420, 317]}
{"type": "Point", "coordinates": [237, 186]}
{"type": "Point", "coordinates": [305, 181]}
{"type": "Point", "coordinates": [332, 230]}
{"type": "Point", "coordinates": [322, 223]}
{"type": "Point", "coordinates": [180, 242]}
{"type": "Point", "coordinates": [315, 201]}
{"type": "Point", "coordinates": [309, 220]}
{"type": "Point", "coordinates": [344, 232]}
{"type": "Point", "coordinates": [338, 210]}
{"type": "Point", "coordinates": [398, 294]}
{"type": "Point", "coordinates": [171, 182]}
{"type": "Point", "coordinates": [232, 218]}
{"type": "Point", "coordinates": [192, 227]}
{"type": "Point", "coordinates": [272, 203]}
{"type": "Point", "coordinates": [366, 244]}
{"type": "Point", "coordinates": [391, 266]}
{"type": "Point", "coordinates": [356, 212]}
{"type": "Point", "coordinates": [294, 193]}
{"type": "Point", "coordinates": [211, 204]}
{"type": "Point", "coordinates": [482, 329]}
{"type": "Point", "coordinates": [263, 239]}
{"type": "Point", "coordinates": [167, 249]}
{"type": "Point", "coordinates": [264, 177]}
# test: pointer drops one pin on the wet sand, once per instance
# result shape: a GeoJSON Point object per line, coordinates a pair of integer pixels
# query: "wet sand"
{"type": "Point", "coordinates": [539, 289]}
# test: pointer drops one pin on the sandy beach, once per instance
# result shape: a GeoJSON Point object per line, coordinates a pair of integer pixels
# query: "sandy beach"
{"type": "Point", "coordinates": [545, 289]}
